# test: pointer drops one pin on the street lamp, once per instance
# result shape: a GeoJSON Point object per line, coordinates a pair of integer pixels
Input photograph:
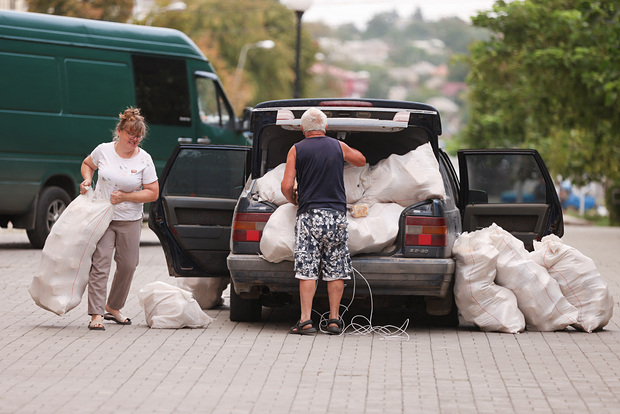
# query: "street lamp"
{"type": "Point", "coordinates": [299, 7]}
{"type": "Point", "coordinates": [263, 44]}
{"type": "Point", "coordinates": [174, 6]}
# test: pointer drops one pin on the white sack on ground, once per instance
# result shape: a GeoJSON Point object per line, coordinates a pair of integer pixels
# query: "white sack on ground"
{"type": "Point", "coordinates": [376, 231]}
{"type": "Point", "coordinates": [269, 186]}
{"type": "Point", "coordinates": [489, 306]}
{"type": "Point", "coordinates": [580, 281]}
{"type": "Point", "coordinates": [66, 258]}
{"type": "Point", "coordinates": [404, 179]}
{"type": "Point", "coordinates": [206, 290]}
{"type": "Point", "coordinates": [170, 307]}
{"type": "Point", "coordinates": [538, 295]}
{"type": "Point", "coordinates": [278, 240]}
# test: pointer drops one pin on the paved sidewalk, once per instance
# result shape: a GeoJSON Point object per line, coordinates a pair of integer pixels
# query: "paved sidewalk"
{"type": "Point", "coordinates": [52, 364]}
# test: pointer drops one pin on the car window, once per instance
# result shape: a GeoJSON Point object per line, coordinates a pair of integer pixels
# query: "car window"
{"type": "Point", "coordinates": [214, 173]}
{"type": "Point", "coordinates": [505, 178]}
{"type": "Point", "coordinates": [211, 106]}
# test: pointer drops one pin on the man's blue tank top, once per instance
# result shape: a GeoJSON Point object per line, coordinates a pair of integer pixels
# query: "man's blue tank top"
{"type": "Point", "coordinates": [320, 169]}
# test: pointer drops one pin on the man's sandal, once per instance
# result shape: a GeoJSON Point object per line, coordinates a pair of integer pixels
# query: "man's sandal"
{"type": "Point", "coordinates": [298, 328]}
{"type": "Point", "coordinates": [334, 330]}
{"type": "Point", "coordinates": [119, 318]}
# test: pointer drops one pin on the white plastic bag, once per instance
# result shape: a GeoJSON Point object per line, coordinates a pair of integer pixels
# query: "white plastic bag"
{"type": "Point", "coordinates": [170, 307]}
{"type": "Point", "coordinates": [206, 290]}
{"type": "Point", "coordinates": [269, 186]}
{"type": "Point", "coordinates": [376, 231]}
{"type": "Point", "coordinates": [489, 306]}
{"type": "Point", "coordinates": [278, 240]}
{"type": "Point", "coordinates": [66, 258]}
{"type": "Point", "coordinates": [538, 295]}
{"type": "Point", "coordinates": [404, 179]}
{"type": "Point", "coordinates": [579, 280]}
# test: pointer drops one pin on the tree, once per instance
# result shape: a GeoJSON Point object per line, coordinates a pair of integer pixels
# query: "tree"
{"type": "Point", "coordinates": [549, 78]}
{"type": "Point", "coordinates": [111, 10]}
{"type": "Point", "coordinates": [221, 29]}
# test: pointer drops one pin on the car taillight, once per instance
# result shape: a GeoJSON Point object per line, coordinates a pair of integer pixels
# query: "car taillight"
{"type": "Point", "coordinates": [248, 227]}
{"type": "Point", "coordinates": [425, 231]}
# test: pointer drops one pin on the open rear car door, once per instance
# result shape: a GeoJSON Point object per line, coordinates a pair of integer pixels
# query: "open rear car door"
{"type": "Point", "coordinates": [512, 188]}
{"type": "Point", "coordinates": [192, 218]}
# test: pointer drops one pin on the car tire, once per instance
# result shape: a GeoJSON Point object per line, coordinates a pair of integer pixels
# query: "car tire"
{"type": "Point", "coordinates": [52, 202]}
{"type": "Point", "coordinates": [244, 310]}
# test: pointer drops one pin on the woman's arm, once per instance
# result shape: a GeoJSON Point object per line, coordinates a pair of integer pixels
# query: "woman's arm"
{"type": "Point", "coordinates": [149, 192]}
{"type": "Point", "coordinates": [88, 170]}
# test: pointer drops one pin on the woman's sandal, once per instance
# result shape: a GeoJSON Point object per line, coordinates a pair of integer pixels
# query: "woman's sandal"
{"type": "Point", "coordinates": [119, 318]}
{"type": "Point", "coordinates": [298, 328]}
{"type": "Point", "coordinates": [96, 325]}
{"type": "Point", "coordinates": [334, 330]}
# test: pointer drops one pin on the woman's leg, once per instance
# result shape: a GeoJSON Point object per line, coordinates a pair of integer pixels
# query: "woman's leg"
{"type": "Point", "coordinates": [126, 258]}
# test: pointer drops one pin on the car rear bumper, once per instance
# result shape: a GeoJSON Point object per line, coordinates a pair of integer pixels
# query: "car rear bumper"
{"type": "Point", "coordinates": [252, 276]}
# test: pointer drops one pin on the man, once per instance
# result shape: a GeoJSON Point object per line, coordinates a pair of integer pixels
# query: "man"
{"type": "Point", "coordinates": [321, 233]}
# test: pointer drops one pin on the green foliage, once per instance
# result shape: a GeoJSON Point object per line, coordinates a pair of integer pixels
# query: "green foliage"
{"type": "Point", "coordinates": [111, 10]}
{"type": "Point", "coordinates": [549, 78]}
{"type": "Point", "coordinates": [221, 29]}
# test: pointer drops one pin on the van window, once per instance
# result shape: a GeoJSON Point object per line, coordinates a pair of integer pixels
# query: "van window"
{"type": "Point", "coordinates": [108, 82]}
{"type": "Point", "coordinates": [29, 83]}
{"type": "Point", "coordinates": [162, 90]}
{"type": "Point", "coordinates": [213, 110]}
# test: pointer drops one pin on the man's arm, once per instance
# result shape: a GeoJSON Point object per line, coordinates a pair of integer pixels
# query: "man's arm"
{"type": "Point", "coordinates": [290, 172]}
{"type": "Point", "coordinates": [352, 156]}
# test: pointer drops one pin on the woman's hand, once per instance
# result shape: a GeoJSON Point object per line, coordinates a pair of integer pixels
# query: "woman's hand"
{"type": "Point", "coordinates": [117, 197]}
{"type": "Point", "coordinates": [85, 185]}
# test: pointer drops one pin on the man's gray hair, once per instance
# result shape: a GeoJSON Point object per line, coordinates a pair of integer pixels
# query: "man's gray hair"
{"type": "Point", "coordinates": [314, 120]}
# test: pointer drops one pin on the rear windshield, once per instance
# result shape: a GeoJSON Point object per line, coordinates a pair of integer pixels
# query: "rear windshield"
{"type": "Point", "coordinates": [275, 143]}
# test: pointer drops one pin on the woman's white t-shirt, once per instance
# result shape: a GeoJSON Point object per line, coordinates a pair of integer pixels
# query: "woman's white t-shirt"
{"type": "Point", "coordinates": [125, 174]}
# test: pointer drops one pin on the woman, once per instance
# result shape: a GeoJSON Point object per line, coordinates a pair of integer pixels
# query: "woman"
{"type": "Point", "coordinates": [127, 177]}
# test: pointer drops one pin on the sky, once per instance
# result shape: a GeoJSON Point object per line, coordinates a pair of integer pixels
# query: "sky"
{"type": "Point", "coordinates": [359, 12]}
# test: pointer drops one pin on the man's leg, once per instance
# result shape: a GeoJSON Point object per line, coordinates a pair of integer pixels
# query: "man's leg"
{"type": "Point", "coordinates": [306, 295]}
{"type": "Point", "coordinates": [335, 289]}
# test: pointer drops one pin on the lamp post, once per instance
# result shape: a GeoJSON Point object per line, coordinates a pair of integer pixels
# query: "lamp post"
{"type": "Point", "coordinates": [174, 6]}
{"type": "Point", "coordinates": [263, 44]}
{"type": "Point", "coordinates": [299, 7]}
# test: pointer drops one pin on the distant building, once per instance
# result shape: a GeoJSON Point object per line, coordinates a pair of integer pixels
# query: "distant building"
{"type": "Point", "coordinates": [17, 5]}
{"type": "Point", "coordinates": [351, 84]}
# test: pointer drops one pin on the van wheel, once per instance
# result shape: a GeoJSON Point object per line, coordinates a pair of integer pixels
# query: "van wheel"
{"type": "Point", "coordinates": [244, 310]}
{"type": "Point", "coordinates": [52, 202]}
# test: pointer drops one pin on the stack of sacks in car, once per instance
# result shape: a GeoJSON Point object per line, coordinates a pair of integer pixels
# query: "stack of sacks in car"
{"type": "Point", "coordinates": [380, 191]}
{"type": "Point", "coordinates": [555, 286]}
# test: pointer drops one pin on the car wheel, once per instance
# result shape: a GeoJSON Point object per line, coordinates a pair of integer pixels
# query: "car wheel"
{"type": "Point", "coordinates": [52, 202]}
{"type": "Point", "coordinates": [244, 310]}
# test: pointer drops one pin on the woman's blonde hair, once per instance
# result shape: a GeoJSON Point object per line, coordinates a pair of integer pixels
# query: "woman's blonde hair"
{"type": "Point", "coordinates": [131, 121]}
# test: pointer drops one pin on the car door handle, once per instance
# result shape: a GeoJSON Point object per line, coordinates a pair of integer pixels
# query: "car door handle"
{"type": "Point", "coordinates": [184, 140]}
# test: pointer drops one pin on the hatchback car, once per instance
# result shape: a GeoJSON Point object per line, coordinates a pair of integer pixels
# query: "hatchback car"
{"type": "Point", "coordinates": [210, 217]}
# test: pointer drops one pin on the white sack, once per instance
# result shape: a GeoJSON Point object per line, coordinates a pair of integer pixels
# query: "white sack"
{"type": "Point", "coordinates": [206, 290]}
{"type": "Point", "coordinates": [404, 179]}
{"type": "Point", "coordinates": [376, 231]}
{"type": "Point", "coordinates": [62, 276]}
{"type": "Point", "coordinates": [489, 306]}
{"type": "Point", "coordinates": [353, 178]}
{"type": "Point", "coordinates": [269, 186]}
{"type": "Point", "coordinates": [170, 307]}
{"type": "Point", "coordinates": [579, 280]}
{"type": "Point", "coordinates": [278, 240]}
{"type": "Point", "coordinates": [538, 295]}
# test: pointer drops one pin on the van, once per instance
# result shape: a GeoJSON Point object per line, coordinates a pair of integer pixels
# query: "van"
{"type": "Point", "coordinates": [219, 227]}
{"type": "Point", "coordinates": [63, 82]}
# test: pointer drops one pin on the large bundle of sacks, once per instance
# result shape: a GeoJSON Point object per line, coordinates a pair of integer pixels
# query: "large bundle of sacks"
{"type": "Point", "coordinates": [500, 286]}
{"type": "Point", "coordinates": [62, 276]}
{"type": "Point", "coordinates": [379, 192]}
